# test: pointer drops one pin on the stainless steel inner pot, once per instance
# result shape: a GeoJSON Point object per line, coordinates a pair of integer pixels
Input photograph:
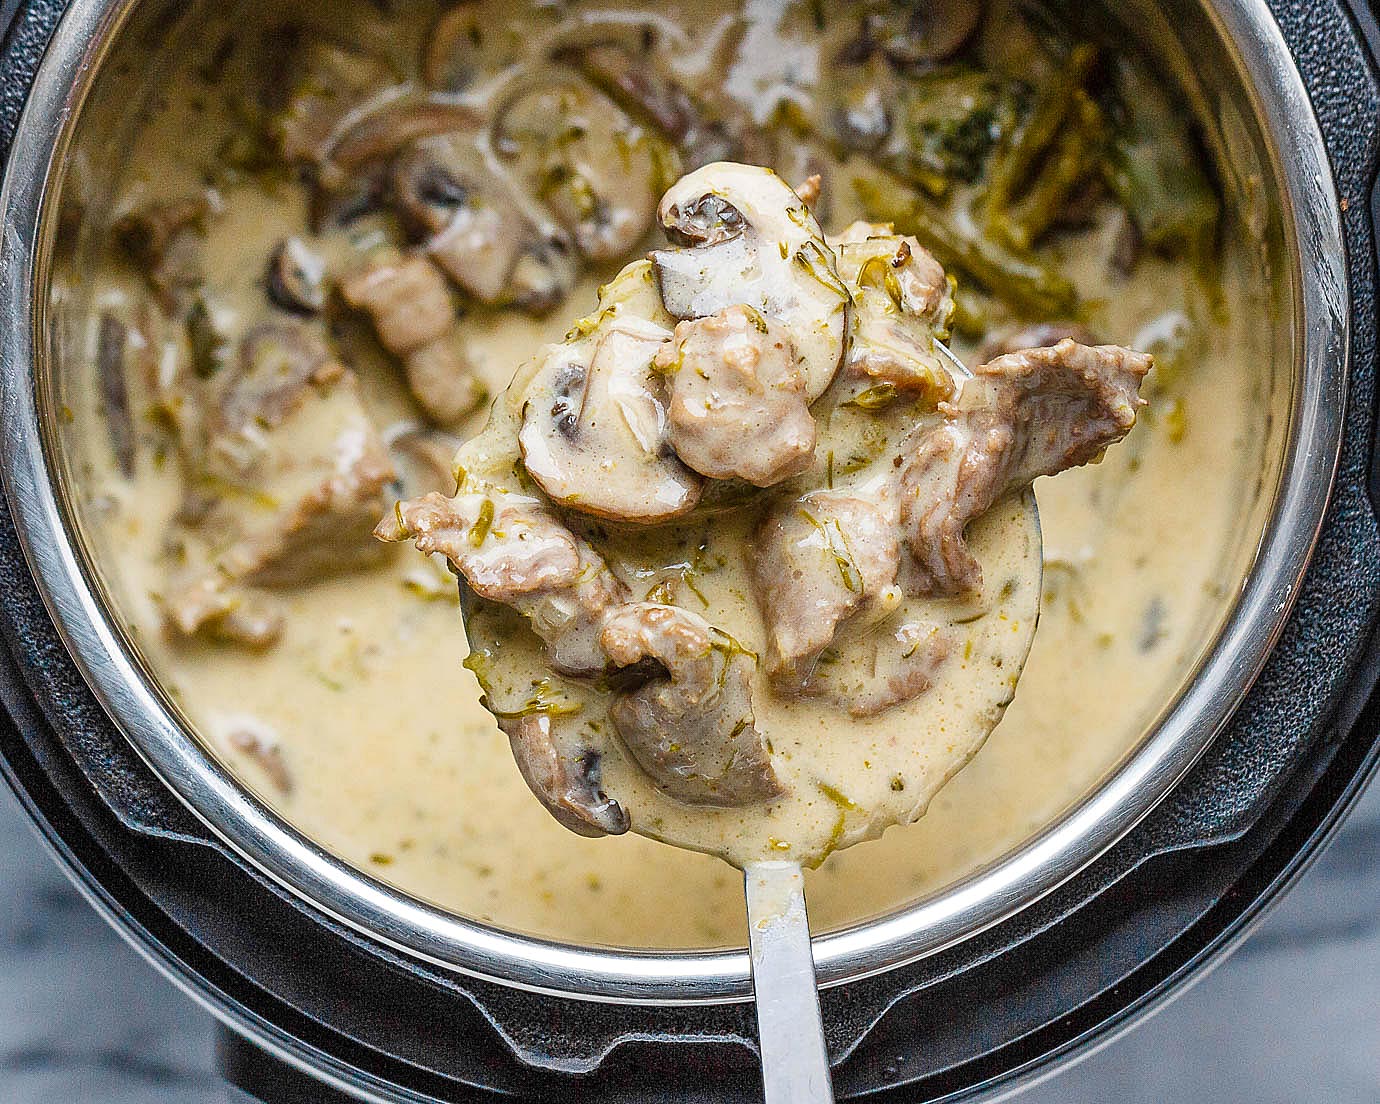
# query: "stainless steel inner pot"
{"type": "Point", "coordinates": [1236, 70]}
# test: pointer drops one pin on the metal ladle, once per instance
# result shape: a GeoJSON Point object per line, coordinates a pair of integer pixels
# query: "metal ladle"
{"type": "Point", "coordinates": [790, 1028]}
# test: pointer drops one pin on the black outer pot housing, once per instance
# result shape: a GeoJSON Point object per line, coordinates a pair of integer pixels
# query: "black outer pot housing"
{"type": "Point", "coordinates": [1180, 888]}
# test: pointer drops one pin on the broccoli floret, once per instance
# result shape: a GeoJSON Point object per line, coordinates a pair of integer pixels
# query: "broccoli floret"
{"type": "Point", "coordinates": [954, 119]}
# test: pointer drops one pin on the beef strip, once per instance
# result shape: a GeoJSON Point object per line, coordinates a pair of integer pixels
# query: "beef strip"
{"type": "Point", "coordinates": [820, 560]}
{"type": "Point", "coordinates": [1021, 416]}
{"type": "Point", "coordinates": [407, 300]}
{"type": "Point", "coordinates": [409, 303]}
{"type": "Point", "coordinates": [691, 730]}
{"type": "Point", "coordinates": [443, 382]}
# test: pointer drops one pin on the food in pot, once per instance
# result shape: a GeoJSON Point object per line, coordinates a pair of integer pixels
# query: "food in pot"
{"type": "Point", "coordinates": [864, 590]}
{"type": "Point", "coordinates": [298, 171]}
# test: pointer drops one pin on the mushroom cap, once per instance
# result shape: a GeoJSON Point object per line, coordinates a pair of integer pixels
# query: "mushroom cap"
{"type": "Point", "coordinates": [295, 278]}
{"type": "Point", "coordinates": [580, 154]}
{"type": "Point", "coordinates": [737, 405]}
{"type": "Point", "coordinates": [691, 730]}
{"type": "Point", "coordinates": [744, 237]}
{"type": "Point", "coordinates": [450, 197]}
{"type": "Point", "coordinates": [593, 430]}
{"type": "Point", "coordinates": [567, 784]}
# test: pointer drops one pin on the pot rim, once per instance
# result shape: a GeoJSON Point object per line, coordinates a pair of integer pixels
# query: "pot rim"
{"type": "Point", "coordinates": [1312, 229]}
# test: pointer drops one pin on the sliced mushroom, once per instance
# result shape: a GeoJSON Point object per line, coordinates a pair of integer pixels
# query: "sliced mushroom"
{"type": "Point", "coordinates": [1021, 416]}
{"type": "Point", "coordinates": [110, 370]}
{"type": "Point", "coordinates": [406, 298]}
{"type": "Point", "coordinates": [443, 382]}
{"type": "Point", "coordinates": [296, 277]}
{"type": "Point", "coordinates": [692, 729]}
{"type": "Point", "coordinates": [327, 82]}
{"type": "Point", "coordinates": [915, 36]}
{"type": "Point", "coordinates": [593, 430]}
{"type": "Point", "coordinates": [587, 161]}
{"type": "Point", "coordinates": [354, 176]}
{"type": "Point", "coordinates": [276, 363]}
{"type": "Point", "coordinates": [166, 241]}
{"type": "Point", "coordinates": [567, 785]}
{"type": "Point", "coordinates": [636, 86]}
{"type": "Point", "coordinates": [380, 132]}
{"type": "Point", "coordinates": [821, 560]}
{"type": "Point", "coordinates": [743, 236]}
{"type": "Point", "coordinates": [737, 398]}
{"type": "Point", "coordinates": [902, 303]}
{"type": "Point", "coordinates": [513, 550]}
{"type": "Point", "coordinates": [472, 225]}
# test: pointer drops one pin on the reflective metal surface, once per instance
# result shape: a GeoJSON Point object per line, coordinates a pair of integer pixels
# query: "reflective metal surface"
{"type": "Point", "coordinates": [1306, 206]}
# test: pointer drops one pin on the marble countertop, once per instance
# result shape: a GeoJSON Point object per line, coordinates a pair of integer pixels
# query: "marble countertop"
{"type": "Point", "coordinates": [1292, 1018]}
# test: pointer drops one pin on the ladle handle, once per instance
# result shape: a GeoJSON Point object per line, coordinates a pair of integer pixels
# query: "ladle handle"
{"type": "Point", "coordinates": [790, 1032]}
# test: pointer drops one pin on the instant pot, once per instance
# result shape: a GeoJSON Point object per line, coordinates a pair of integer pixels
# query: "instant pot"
{"type": "Point", "coordinates": [330, 984]}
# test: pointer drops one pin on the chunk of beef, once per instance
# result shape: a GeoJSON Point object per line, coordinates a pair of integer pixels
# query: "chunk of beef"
{"type": "Point", "coordinates": [873, 673]}
{"type": "Point", "coordinates": [410, 306]}
{"type": "Point", "coordinates": [692, 728]}
{"type": "Point", "coordinates": [738, 406]}
{"type": "Point", "coordinates": [821, 560]}
{"type": "Point", "coordinates": [513, 550]}
{"type": "Point", "coordinates": [1021, 416]}
{"type": "Point", "coordinates": [424, 458]}
{"type": "Point", "coordinates": [406, 298]}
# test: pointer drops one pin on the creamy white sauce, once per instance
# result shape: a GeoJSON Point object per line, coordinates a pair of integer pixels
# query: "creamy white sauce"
{"type": "Point", "coordinates": [396, 767]}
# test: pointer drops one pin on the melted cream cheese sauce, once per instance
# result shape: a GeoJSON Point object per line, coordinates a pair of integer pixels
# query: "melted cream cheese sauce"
{"type": "Point", "coordinates": [396, 767]}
